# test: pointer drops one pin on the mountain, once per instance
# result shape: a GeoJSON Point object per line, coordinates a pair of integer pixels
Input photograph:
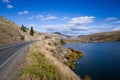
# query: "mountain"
{"type": "Point", "coordinates": [11, 32]}
{"type": "Point", "coordinates": [80, 35]}
{"type": "Point", "coordinates": [102, 37]}
{"type": "Point", "coordinates": [98, 37]}
{"type": "Point", "coordinates": [57, 33]}
{"type": "Point", "coordinates": [61, 34]}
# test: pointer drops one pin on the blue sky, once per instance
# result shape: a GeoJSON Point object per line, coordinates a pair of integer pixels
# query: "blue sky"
{"type": "Point", "coordinates": [72, 17]}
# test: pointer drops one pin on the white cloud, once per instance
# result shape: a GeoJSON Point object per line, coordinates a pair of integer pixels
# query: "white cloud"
{"type": "Point", "coordinates": [82, 20]}
{"type": "Point", "coordinates": [65, 18]}
{"type": "Point", "coordinates": [43, 17]}
{"type": "Point", "coordinates": [70, 25]}
{"type": "Point", "coordinates": [117, 28]}
{"type": "Point", "coordinates": [111, 19]}
{"type": "Point", "coordinates": [117, 22]}
{"type": "Point", "coordinates": [37, 17]}
{"type": "Point", "coordinates": [71, 29]}
{"type": "Point", "coordinates": [56, 27]}
{"type": "Point", "coordinates": [9, 6]}
{"type": "Point", "coordinates": [6, 1]}
{"type": "Point", "coordinates": [49, 18]}
{"type": "Point", "coordinates": [24, 12]}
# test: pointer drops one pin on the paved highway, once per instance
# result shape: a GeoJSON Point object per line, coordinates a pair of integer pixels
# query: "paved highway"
{"type": "Point", "coordinates": [8, 51]}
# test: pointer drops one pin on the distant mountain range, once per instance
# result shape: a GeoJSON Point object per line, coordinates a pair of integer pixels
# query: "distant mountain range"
{"type": "Point", "coordinates": [98, 37]}
{"type": "Point", "coordinates": [65, 35]}
{"type": "Point", "coordinates": [61, 34]}
{"type": "Point", "coordinates": [80, 36]}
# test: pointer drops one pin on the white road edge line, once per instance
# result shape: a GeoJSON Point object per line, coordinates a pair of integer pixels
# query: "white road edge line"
{"type": "Point", "coordinates": [11, 57]}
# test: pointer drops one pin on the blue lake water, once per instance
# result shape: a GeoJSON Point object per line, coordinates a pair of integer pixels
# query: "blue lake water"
{"type": "Point", "coordinates": [100, 61]}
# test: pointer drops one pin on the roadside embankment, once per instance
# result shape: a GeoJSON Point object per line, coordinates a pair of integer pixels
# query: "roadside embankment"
{"type": "Point", "coordinates": [47, 60]}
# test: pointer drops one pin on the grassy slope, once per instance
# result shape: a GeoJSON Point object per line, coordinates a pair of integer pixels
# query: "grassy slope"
{"type": "Point", "coordinates": [9, 31]}
{"type": "Point", "coordinates": [43, 66]}
{"type": "Point", "coordinates": [39, 68]}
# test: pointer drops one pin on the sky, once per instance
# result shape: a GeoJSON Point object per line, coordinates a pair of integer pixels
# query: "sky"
{"type": "Point", "coordinates": [70, 17]}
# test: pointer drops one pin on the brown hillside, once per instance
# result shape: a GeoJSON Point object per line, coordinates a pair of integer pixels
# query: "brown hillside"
{"type": "Point", "coordinates": [102, 37]}
{"type": "Point", "coordinates": [11, 32]}
{"type": "Point", "coordinates": [98, 37]}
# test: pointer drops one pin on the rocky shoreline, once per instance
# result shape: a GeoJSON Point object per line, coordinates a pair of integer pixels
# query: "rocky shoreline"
{"type": "Point", "coordinates": [66, 55]}
{"type": "Point", "coordinates": [56, 48]}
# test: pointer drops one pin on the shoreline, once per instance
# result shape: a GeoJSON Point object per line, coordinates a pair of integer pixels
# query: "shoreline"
{"type": "Point", "coordinates": [57, 55]}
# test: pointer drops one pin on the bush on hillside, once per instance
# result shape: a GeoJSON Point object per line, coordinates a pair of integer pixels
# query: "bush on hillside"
{"type": "Point", "coordinates": [23, 28]}
{"type": "Point", "coordinates": [31, 31]}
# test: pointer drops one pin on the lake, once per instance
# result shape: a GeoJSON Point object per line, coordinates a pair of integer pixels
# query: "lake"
{"type": "Point", "coordinates": [100, 61]}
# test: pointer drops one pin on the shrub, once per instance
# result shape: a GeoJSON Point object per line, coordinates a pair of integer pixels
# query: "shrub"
{"type": "Point", "coordinates": [23, 28]}
{"type": "Point", "coordinates": [31, 31]}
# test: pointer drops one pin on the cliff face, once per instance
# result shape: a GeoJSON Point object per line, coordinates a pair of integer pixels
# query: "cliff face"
{"type": "Point", "coordinates": [98, 37]}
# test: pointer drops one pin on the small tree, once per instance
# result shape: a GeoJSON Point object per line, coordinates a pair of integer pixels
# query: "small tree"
{"type": "Point", "coordinates": [31, 31]}
{"type": "Point", "coordinates": [23, 28]}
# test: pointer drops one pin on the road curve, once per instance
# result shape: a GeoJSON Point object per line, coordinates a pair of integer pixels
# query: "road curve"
{"type": "Point", "coordinates": [8, 51]}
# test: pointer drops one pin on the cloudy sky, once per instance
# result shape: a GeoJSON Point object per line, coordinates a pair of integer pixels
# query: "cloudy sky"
{"type": "Point", "coordinates": [72, 17]}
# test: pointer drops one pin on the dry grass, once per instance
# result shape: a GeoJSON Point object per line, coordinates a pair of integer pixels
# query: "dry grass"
{"type": "Point", "coordinates": [41, 65]}
{"type": "Point", "coordinates": [63, 69]}
{"type": "Point", "coordinates": [38, 68]}
{"type": "Point", "coordinates": [11, 32]}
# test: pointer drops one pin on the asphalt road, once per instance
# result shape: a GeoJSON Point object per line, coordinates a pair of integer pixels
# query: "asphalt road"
{"type": "Point", "coordinates": [8, 51]}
